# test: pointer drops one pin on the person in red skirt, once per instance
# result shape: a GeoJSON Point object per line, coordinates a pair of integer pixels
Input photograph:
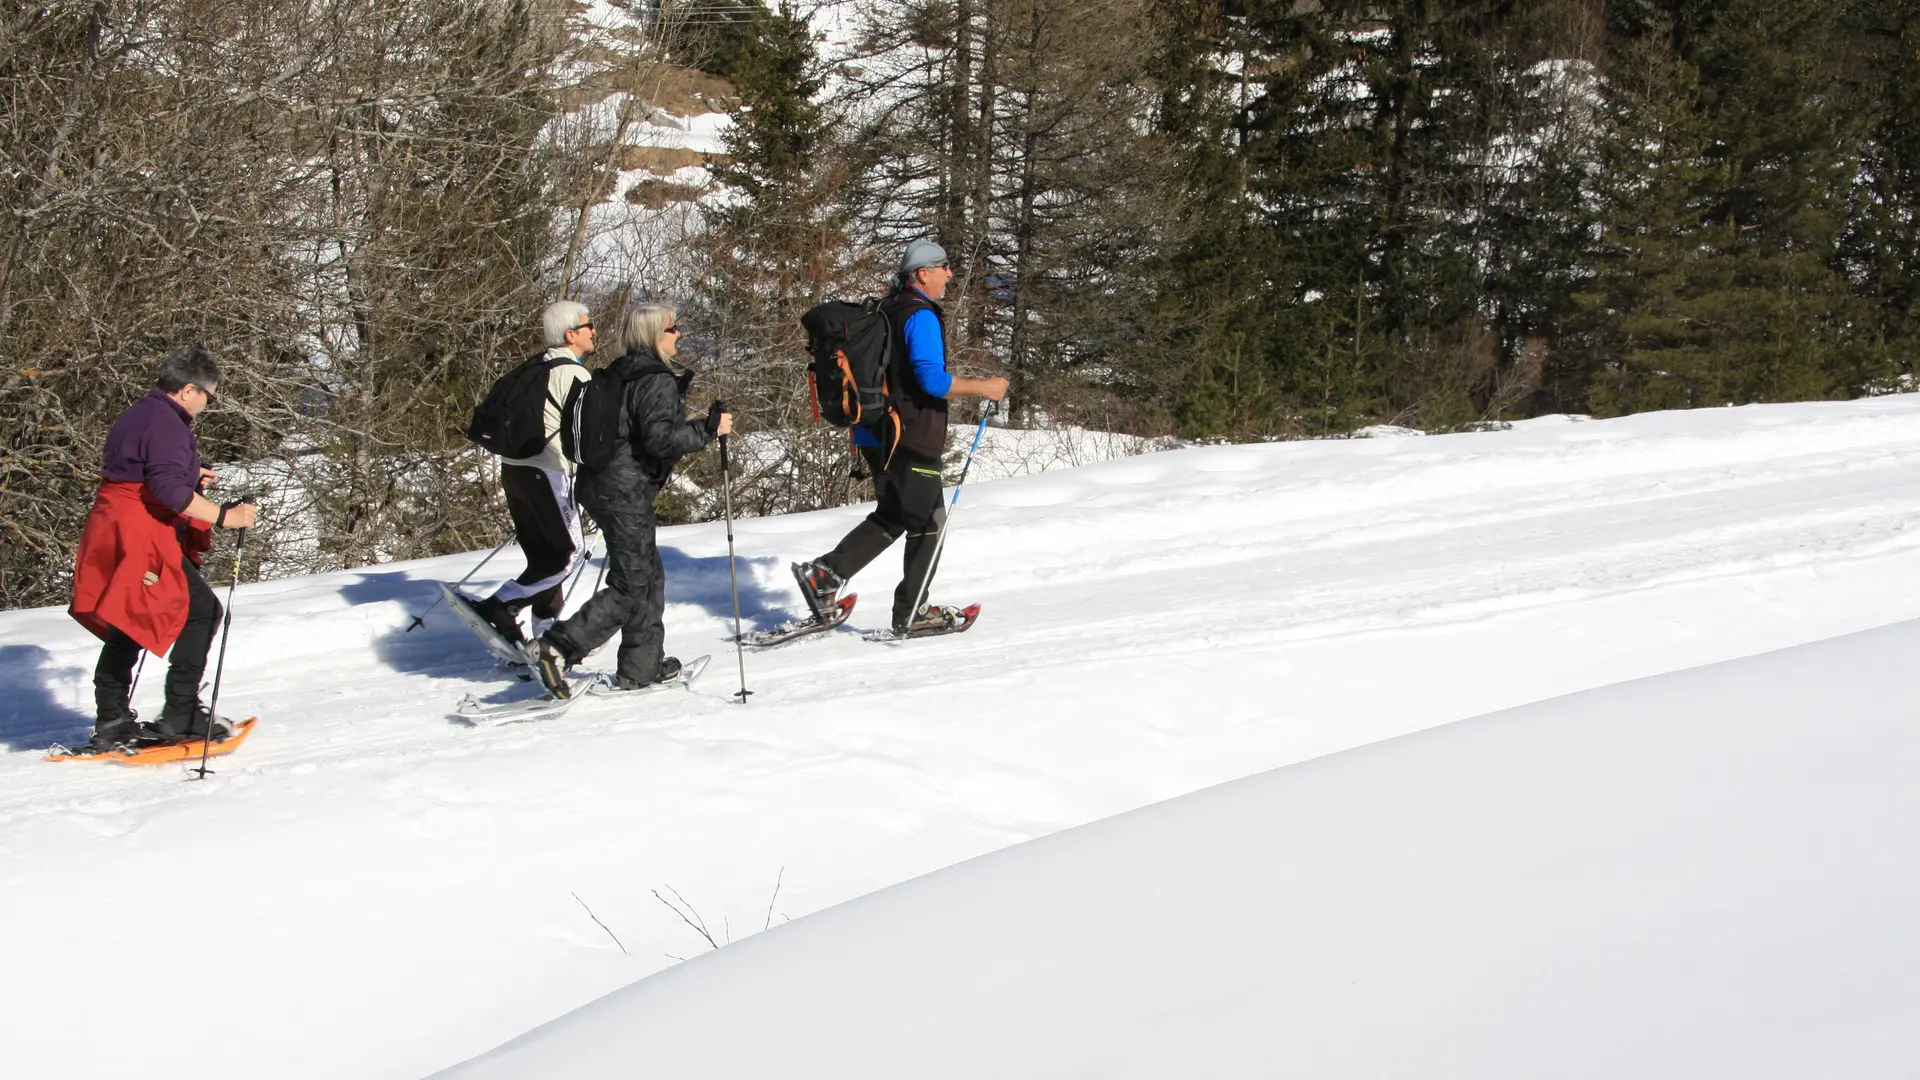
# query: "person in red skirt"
{"type": "Point", "coordinates": [137, 584]}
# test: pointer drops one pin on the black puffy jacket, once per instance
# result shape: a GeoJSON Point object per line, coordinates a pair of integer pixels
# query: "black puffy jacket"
{"type": "Point", "coordinates": [660, 435]}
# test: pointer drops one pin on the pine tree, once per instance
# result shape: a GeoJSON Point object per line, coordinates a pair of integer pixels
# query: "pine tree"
{"type": "Point", "coordinates": [1732, 163]}
{"type": "Point", "coordinates": [777, 244]}
{"type": "Point", "coordinates": [1881, 248]}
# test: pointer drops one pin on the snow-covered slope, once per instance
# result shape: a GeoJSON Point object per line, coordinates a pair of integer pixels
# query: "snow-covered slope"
{"type": "Point", "coordinates": [388, 892]}
{"type": "Point", "coordinates": [1710, 873]}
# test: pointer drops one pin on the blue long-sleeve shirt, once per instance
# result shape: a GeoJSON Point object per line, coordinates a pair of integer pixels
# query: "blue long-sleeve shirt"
{"type": "Point", "coordinates": [927, 352]}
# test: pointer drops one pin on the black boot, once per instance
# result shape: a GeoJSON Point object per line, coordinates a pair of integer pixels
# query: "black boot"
{"type": "Point", "coordinates": [497, 615]}
{"type": "Point", "coordinates": [179, 723]}
{"type": "Point", "coordinates": [551, 662]}
{"type": "Point", "coordinates": [501, 618]}
{"type": "Point", "coordinates": [819, 586]}
{"type": "Point", "coordinates": [114, 732]}
{"type": "Point", "coordinates": [669, 671]}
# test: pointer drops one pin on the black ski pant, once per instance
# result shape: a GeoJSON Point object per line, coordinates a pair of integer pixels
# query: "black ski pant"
{"type": "Point", "coordinates": [907, 490]}
{"type": "Point", "coordinates": [186, 663]}
{"type": "Point", "coordinates": [636, 593]}
{"type": "Point", "coordinates": [548, 531]}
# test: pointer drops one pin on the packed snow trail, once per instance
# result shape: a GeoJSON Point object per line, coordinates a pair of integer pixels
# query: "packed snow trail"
{"type": "Point", "coordinates": [1155, 625]}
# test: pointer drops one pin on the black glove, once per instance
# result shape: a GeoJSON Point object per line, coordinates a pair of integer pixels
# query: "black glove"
{"type": "Point", "coordinates": [714, 412]}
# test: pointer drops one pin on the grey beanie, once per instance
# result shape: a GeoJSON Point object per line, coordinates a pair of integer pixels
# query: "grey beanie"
{"type": "Point", "coordinates": [921, 254]}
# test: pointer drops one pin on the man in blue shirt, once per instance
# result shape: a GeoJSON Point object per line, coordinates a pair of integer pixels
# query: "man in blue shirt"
{"type": "Point", "coordinates": [906, 482]}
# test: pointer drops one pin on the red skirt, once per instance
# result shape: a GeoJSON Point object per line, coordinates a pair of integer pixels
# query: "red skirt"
{"type": "Point", "coordinates": [128, 535]}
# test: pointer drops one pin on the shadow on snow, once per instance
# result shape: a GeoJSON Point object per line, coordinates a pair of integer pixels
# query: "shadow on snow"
{"type": "Point", "coordinates": [704, 582]}
{"type": "Point", "coordinates": [30, 716]}
{"type": "Point", "coordinates": [441, 644]}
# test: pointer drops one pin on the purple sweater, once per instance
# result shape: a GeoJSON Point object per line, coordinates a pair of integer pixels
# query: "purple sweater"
{"type": "Point", "coordinates": [152, 443]}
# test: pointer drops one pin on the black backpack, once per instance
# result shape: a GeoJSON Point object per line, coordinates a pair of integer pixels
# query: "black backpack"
{"type": "Point", "coordinates": [512, 421]}
{"type": "Point", "coordinates": [851, 346]}
{"type": "Point", "coordinates": [593, 422]}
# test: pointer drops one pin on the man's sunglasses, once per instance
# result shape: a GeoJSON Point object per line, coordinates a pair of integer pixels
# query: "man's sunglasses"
{"type": "Point", "coordinates": [588, 325]}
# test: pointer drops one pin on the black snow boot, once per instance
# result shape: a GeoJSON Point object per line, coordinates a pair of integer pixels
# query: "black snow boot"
{"type": "Point", "coordinates": [114, 732]}
{"type": "Point", "coordinates": [501, 617]}
{"type": "Point", "coordinates": [551, 664]}
{"type": "Point", "coordinates": [819, 586]}
{"type": "Point", "coordinates": [669, 671]}
{"type": "Point", "coordinates": [180, 723]}
{"type": "Point", "coordinates": [498, 615]}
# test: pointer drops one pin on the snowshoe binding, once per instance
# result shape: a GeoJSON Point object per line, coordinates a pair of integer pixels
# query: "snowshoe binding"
{"type": "Point", "coordinates": [933, 620]}
{"type": "Point", "coordinates": [673, 674]}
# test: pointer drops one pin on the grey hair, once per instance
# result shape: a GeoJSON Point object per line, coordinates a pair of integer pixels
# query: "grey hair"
{"type": "Point", "coordinates": [187, 364]}
{"type": "Point", "coordinates": [643, 326]}
{"type": "Point", "coordinates": [560, 317]}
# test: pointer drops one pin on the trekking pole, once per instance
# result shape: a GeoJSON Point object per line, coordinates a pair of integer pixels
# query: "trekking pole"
{"type": "Point", "coordinates": [605, 558]}
{"type": "Point", "coordinates": [940, 543]}
{"type": "Point", "coordinates": [226, 633]}
{"type": "Point", "coordinates": [137, 669]}
{"type": "Point", "coordinates": [420, 619]}
{"type": "Point", "coordinates": [579, 572]}
{"type": "Point", "coordinates": [733, 576]}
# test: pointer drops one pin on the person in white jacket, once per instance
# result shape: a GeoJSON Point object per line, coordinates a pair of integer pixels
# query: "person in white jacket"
{"type": "Point", "coordinates": [539, 490]}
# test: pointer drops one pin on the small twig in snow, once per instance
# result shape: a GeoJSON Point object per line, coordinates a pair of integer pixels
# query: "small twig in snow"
{"type": "Point", "coordinates": [694, 920]}
{"type": "Point", "coordinates": [776, 895]}
{"type": "Point", "coordinates": [601, 925]}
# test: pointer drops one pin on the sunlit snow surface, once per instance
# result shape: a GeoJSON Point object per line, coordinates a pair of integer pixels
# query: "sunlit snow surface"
{"type": "Point", "coordinates": [385, 892]}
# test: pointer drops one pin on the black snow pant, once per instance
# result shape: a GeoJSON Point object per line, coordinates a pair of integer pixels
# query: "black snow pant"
{"type": "Point", "coordinates": [636, 593]}
{"type": "Point", "coordinates": [546, 530]}
{"type": "Point", "coordinates": [908, 493]}
{"type": "Point", "coordinates": [186, 663]}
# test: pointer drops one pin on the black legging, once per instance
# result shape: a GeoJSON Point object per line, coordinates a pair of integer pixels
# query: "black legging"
{"type": "Point", "coordinates": [636, 594]}
{"type": "Point", "coordinates": [113, 675]}
{"type": "Point", "coordinates": [907, 491]}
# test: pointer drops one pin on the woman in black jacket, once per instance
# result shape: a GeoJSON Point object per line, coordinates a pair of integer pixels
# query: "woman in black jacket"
{"type": "Point", "coordinates": [620, 498]}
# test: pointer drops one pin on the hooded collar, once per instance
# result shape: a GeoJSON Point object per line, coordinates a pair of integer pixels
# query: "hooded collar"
{"type": "Point", "coordinates": [645, 361]}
